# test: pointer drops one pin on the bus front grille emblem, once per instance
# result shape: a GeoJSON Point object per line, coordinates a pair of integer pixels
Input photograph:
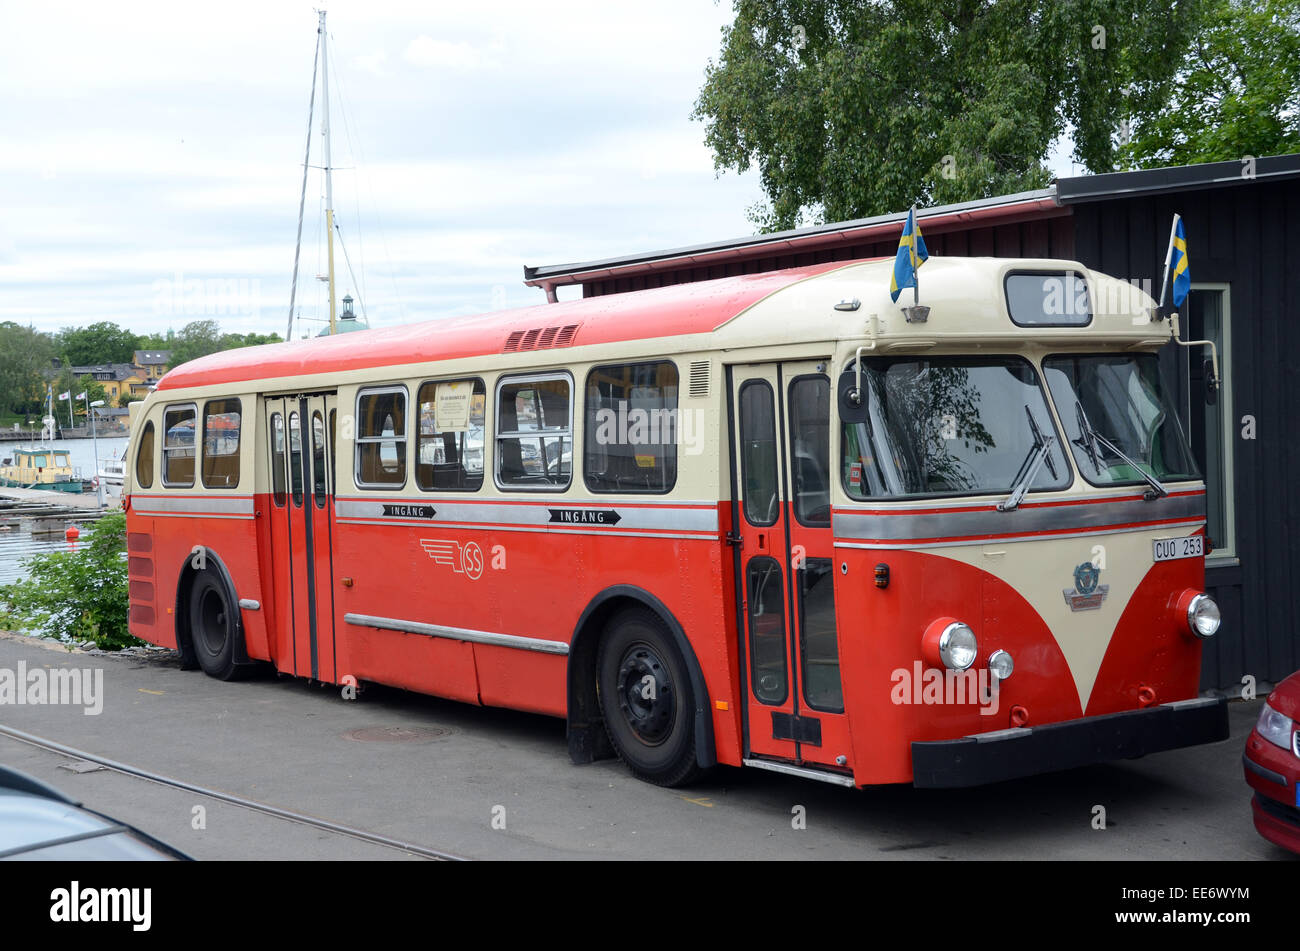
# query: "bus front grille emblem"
{"type": "Point", "coordinates": [1086, 595]}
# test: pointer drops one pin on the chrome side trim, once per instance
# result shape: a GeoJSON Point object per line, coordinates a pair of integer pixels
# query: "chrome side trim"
{"type": "Point", "coordinates": [678, 518]}
{"type": "Point", "coordinates": [801, 771]}
{"type": "Point", "coordinates": [191, 505]}
{"type": "Point", "coordinates": [459, 634]}
{"type": "Point", "coordinates": [249, 604]}
{"type": "Point", "coordinates": [952, 525]}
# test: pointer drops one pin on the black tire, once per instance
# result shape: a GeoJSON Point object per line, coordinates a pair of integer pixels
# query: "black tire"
{"type": "Point", "coordinates": [646, 698]}
{"type": "Point", "coordinates": [212, 627]}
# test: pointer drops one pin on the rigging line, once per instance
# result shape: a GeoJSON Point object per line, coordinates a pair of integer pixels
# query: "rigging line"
{"type": "Point", "coordinates": [344, 111]}
{"type": "Point", "coordinates": [302, 201]}
{"type": "Point", "coordinates": [360, 155]}
{"type": "Point", "coordinates": [360, 299]}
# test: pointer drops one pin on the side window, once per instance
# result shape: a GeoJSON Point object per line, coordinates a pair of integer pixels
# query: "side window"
{"type": "Point", "coordinates": [449, 441]}
{"type": "Point", "coordinates": [144, 458]}
{"type": "Point", "coordinates": [178, 446]}
{"type": "Point", "coordinates": [295, 459]}
{"type": "Point", "coordinates": [318, 459]}
{"type": "Point", "coordinates": [758, 453]}
{"type": "Point", "coordinates": [381, 438]}
{"type": "Point", "coordinates": [277, 459]}
{"type": "Point", "coordinates": [631, 428]}
{"type": "Point", "coordinates": [810, 439]}
{"type": "Point", "coordinates": [534, 433]}
{"type": "Point", "coordinates": [221, 420]}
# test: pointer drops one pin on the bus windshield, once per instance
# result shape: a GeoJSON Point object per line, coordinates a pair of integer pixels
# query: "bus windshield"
{"type": "Point", "coordinates": [951, 426]}
{"type": "Point", "coordinates": [1118, 397]}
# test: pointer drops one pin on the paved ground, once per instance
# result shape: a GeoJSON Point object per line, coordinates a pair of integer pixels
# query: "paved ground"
{"type": "Point", "coordinates": [73, 500]}
{"type": "Point", "coordinates": [283, 742]}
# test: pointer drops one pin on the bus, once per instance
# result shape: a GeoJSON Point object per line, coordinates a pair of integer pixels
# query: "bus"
{"type": "Point", "coordinates": [772, 520]}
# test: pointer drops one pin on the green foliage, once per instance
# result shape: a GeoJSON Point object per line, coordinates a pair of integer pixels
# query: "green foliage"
{"type": "Point", "coordinates": [127, 398]}
{"type": "Point", "coordinates": [25, 354]}
{"type": "Point", "coordinates": [851, 109]}
{"type": "Point", "coordinates": [104, 342]}
{"type": "Point", "coordinates": [93, 389]}
{"type": "Point", "coordinates": [1235, 92]}
{"type": "Point", "coordinates": [76, 595]}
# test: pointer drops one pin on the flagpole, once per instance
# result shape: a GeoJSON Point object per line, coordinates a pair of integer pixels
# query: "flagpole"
{"type": "Point", "coordinates": [916, 268]}
{"type": "Point", "coordinates": [1169, 255]}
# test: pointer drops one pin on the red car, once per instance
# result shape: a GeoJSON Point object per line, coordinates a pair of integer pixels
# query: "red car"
{"type": "Point", "coordinates": [1272, 764]}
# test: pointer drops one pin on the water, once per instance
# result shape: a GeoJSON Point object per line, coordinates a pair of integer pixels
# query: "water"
{"type": "Point", "coordinates": [19, 543]}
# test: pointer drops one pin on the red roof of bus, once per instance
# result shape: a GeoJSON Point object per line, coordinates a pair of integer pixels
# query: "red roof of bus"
{"type": "Point", "coordinates": [660, 312]}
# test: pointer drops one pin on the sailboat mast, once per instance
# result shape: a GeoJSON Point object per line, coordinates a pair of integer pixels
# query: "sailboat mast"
{"type": "Point", "coordinates": [329, 180]}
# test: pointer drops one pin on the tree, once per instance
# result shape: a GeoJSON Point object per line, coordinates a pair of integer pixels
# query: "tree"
{"type": "Point", "coordinates": [852, 108]}
{"type": "Point", "coordinates": [93, 389]}
{"type": "Point", "coordinates": [128, 398]}
{"type": "Point", "coordinates": [104, 342]}
{"type": "Point", "coordinates": [196, 339]}
{"type": "Point", "coordinates": [1234, 94]}
{"type": "Point", "coordinates": [25, 355]}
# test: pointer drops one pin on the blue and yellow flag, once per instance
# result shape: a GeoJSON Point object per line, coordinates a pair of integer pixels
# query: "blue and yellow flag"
{"type": "Point", "coordinates": [911, 255]}
{"type": "Point", "coordinates": [1182, 277]}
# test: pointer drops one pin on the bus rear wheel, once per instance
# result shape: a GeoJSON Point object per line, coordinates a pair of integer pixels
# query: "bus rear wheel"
{"type": "Point", "coordinates": [646, 698]}
{"type": "Point", "coordinates": [212, 627]}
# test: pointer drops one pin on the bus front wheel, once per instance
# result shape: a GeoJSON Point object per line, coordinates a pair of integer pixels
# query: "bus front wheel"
{"type": "Point", "coordinates": [646, 698]}
{"type": "Point", "coordinates": [212, 627]}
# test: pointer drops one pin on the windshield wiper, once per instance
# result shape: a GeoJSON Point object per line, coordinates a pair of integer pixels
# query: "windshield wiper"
{"type": "Point", "coordinates": [1091, 438]}
{"type": "Point", "coordinates": [1039, 453]}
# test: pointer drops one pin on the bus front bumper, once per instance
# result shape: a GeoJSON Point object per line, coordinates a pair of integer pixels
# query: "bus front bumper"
{"type": "Point", "coordinates": [1025, 751]}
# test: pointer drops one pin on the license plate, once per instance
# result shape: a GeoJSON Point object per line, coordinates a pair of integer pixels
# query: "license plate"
{"type": "Point", "coordinates": [1170, 549]}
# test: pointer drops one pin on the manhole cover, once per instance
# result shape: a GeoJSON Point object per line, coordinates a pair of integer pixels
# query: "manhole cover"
{"type": "Point", "coordinates": [396, 734]}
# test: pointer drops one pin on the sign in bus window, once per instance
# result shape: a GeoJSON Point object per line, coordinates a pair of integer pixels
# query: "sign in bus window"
{"type": "Point", "coordinates": [534, 438]}
{"type": "Point", "coordinates": [178, 446]}
{"type": "Point", "coordinates": [449, 440]}
{"type": "Point", "coordinates": [221, 444]}
{"type": "Point", "coordinates": [144, 458]}
{"type": "Point", "coordinates": [381, 438]}
{"type": "Point", "coordinates": [631, 428]}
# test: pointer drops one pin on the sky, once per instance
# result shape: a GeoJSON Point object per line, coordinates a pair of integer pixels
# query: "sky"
{"type": "Point", "coordinates": [151, 154]}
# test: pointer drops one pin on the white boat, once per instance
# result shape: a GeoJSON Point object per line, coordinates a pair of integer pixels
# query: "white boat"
{"type": "Point", "coordinates": [112, 472]}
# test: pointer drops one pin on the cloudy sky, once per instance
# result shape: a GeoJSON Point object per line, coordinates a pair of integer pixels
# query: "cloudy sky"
{"type": "Point", "coordinates": [151, 149]}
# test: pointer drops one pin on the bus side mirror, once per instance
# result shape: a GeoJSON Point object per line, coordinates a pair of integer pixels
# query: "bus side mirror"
{"type": "Point", "coordinates": [853, 405]}
{"type": "Point", "coordinates": [1211, 384]}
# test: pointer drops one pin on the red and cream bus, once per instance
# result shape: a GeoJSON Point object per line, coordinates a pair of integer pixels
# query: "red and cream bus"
{"type": "Point", "coordinates": [770, 520]}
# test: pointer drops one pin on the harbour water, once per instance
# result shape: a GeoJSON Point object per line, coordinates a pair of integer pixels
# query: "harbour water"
{"type": "Point", "coordinates": [18, 543]}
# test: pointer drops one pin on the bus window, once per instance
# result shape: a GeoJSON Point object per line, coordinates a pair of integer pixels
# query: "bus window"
{"type": "Point", "coordinates": [381, 438]}
{"type": "Point", "coordinates": [449, 440]}
{"type": "Point", "coordinates": [334, 452]}
{"type": "Point", "coordinates": [631, 428]}
{"type": "Point", "coordinates": [144, 458]}
{"type": "Point", "coordinates": [534, 438]}
{"type": "Point", "coordinates": [178, 446]}
{"type": "Point", "coordinates": [810, 435]}
{"type": "Point", "coordinates": [318, 459]}
{"type": "Point", "coordinates": [758, 456]}
{"type": "Point", "coordinates": [277, 460]}
{"type": "Point", "coordinates": [767, 629]}
{"type": "Point", "coordinates": [821, 654]}
{"type": "Point", "coordinates": [295, 459]}
{"type": "Point", "coordinates": [221, 444]}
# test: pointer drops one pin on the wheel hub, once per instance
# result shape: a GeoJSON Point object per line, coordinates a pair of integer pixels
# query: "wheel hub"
{"type": "Point", "coordinates": [645, 694]}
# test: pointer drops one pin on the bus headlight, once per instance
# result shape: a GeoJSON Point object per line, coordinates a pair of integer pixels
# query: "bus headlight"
{"type": "Point", "coordinates": [949, 643]}
{"type": "Point", "coordinates": [1203, 616]}
{"type": "Point", "coordinates": [1001, 666]}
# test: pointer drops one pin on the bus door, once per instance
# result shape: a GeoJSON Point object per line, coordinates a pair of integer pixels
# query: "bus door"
{"type": "Point", "coordinates": [794, 707]}
{"type": "Point", "coordinates": [302, 430]}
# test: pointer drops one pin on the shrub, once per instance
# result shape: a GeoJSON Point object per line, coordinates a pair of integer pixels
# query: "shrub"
{"type": "Point", "coordinates": [76, 595]}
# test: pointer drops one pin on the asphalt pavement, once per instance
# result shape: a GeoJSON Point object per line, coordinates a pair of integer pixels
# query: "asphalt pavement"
{"type": "Point", "coordinates": [496, 784]}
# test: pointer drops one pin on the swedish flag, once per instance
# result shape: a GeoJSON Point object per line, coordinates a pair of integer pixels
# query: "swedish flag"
{"type": "Point", "coordinates": [1182, 277]}
{"type": "Point", "coordinates": [911, 255]}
